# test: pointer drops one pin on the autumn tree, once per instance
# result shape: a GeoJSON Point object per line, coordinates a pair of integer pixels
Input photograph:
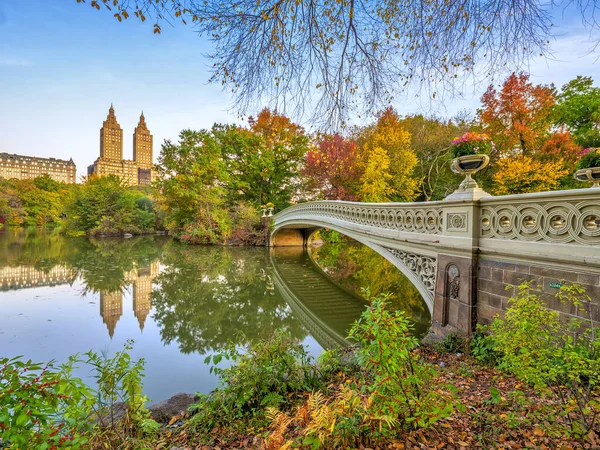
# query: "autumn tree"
{"type": "Point", "coordinates": [355, 56]}
{"type": "Point", "coordinates": [519, 117]}
{"type": "Point", "coordinates": [332, 167]}
{"type": "Point", "coordinates": [282, 150]}
{"type": "Point", "coordinates": [386, 160]}
{"type": "Point", "coordinates": [430, 139]}
{"type": "Point", "coordinates": [523, 174]}
{"type": "Point", "coordinates": [578, 109]}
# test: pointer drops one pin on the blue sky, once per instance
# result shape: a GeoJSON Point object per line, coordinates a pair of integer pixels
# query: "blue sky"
{"type": "Point", "coordinates": [63, 63]}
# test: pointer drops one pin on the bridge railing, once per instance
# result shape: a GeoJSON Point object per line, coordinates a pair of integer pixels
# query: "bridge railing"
{"type": "Point", "coordinates": [559, 217]}
{"type": "Point", "coordinates": [409, 217]}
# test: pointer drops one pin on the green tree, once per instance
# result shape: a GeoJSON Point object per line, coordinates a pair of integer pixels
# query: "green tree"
{"type": "Point", "coordinates": [191, 178]}
{"type": "Point", "coordinates": [430, 139]}
{"type": "Point", "coordinates": [264, 160]}
{"type": "Point", "coordinates": [284, 145]}
{"type": "Point", "coordinates": [105, 205]}
{"type": "Point", "coordinates": [578, 108]}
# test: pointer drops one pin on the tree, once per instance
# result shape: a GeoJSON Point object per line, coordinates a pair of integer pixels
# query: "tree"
{"type": "Point", "coordinates": [387, 160]}
{"type": "Point", "coordinates": [264, 160]}
{"type": "Point", "coordinates": [332, 166]}
{"type": "Point", "coordinates": [523, 174]}
{"type": "Point", "coordinates": [430, 140]}
{"type": "Point", "coordinates": [191, 175]}
{"type": "Point", "coordinates": [376, 180]}
{"type": "Point", "coordinates": [578, 109]}
{"type": "Point", "coordinates": [519, 117]}
{"type": "Point", "coordinates": [355, 56]}
{"type": "Point", "coordinates": [106, 206]}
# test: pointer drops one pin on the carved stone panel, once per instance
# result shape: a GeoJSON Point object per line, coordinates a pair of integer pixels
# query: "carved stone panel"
{"type": "Point", "coordinates": [423, 267]}
{"type": "Point", "coordinates": [453, 282]}
{"type": "Point", "coordinates": [457, 221]}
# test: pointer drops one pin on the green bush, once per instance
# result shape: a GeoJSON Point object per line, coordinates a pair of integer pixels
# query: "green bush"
{"type": "Point", "coordinates": [402, 386]}
{"type": "Point", "coordinates": [42, 406]}
{"type": "Point", "coordinates": [264, 373]}
{"type": "Point", "coordinates": [118, 379]}
{"type": "Point", "coordinates": [484, 348]}
{"type": "Point", "coordinates": [452, 343]}
{"type": "Point", "coordinates": [555, 358]}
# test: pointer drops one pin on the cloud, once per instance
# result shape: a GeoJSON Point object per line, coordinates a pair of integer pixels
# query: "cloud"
{"type": "Point", "coordinates": [15, 62]}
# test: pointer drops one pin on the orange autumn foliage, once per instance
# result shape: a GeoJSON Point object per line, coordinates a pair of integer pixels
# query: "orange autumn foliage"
{"type": "Point", "coordinates": [519, 117]}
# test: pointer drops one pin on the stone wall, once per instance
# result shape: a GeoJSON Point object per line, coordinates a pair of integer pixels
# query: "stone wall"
{"type": "Point", "coordinates": [496, 281]}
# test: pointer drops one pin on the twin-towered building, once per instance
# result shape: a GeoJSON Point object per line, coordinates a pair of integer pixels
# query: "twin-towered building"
{"type": "Point", "coordinates": [138, 171]}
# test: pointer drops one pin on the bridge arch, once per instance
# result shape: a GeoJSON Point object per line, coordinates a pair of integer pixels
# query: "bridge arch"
{"type": "Point", "coordinates": [466, 253]}
{"type": "Point", "coordinates": [420, 268]}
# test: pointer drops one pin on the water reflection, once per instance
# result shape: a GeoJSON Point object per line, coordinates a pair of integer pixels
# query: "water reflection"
{"type": "Point", "coordinates": [111, 303]}
{"type": "Point", "coordinates": [205, 297]}
{"type": "Point", "coordinates": [62, 295]}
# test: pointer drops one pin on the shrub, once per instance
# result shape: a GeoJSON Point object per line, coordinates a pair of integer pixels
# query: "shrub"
{"type": "Point", "coordinates": [42, 406]}
{"type": "Point", "coordinates": [394, 389]}
{"type": "Point", "coordinates": [264, 373]}
{"type": "Point", "coordinates": [484, 348]}
{"type": "Point", "coordinates": [119, 380]}
{"type": "Point", "coordinates": [402, 386]}
{"type": "Point", "coordinates": [452, 343]}
{"type": "Point", "coordinates": [554, 358]}
{"type": "Point", "coordinates": [247, 226]}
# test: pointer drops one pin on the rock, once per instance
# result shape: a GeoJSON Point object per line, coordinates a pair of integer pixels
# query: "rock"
{"type": "Point", "coordinates": [179, 403]}
{"type": "Point", "coordinates": [127, 235]}
{"type": "Point", "coordinates": [107, 417]}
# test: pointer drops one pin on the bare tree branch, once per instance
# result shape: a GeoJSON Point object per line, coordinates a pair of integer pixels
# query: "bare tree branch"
{"type": "Point", "coordinates": [344, 58]}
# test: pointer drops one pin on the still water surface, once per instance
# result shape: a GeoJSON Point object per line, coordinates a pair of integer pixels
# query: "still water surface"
{"type": "Point", "coordinates": [60, 296]}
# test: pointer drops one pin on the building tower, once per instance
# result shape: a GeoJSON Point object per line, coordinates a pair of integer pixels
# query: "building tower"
{"type": "Point", "coordinates": [142, 144]}
{"type": "Point", "coordinates": [111, 138]}
{"type": "Point", "coordinates": [142, 151]}
{"type": "Point", "coordinates": [111, 309]}
{"type": "Point", "coordinates": [142, 293]}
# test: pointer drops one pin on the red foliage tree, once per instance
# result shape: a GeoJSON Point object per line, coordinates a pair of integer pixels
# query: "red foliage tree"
{"type": "Point", "coordinates": [520, 116]}
{"type": "Point", "coordinates": [332, 166]}
{"type": "Point", "coordinates": [560, 145]}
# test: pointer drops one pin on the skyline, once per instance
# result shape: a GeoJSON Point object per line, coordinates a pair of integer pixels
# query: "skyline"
{"type": "Point", "coordinates": [61, 75]}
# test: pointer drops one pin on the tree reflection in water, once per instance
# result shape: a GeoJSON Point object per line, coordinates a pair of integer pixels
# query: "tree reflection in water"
{"type": "Point", "coordinates": [203, 297]}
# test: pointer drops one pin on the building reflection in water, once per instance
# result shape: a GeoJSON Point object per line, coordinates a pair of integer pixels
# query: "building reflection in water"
{"type": "Point", "coordinates": [111, 303]}
{"type": "Point", "coordinates": [23, 277]}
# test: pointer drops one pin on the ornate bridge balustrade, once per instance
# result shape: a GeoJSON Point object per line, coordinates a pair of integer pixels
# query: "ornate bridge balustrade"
{"type": "Point", "coordinates": [464, 253]}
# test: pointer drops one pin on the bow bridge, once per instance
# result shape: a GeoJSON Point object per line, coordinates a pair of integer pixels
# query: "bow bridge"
{"type": "Point", "coordinates": [465, 253]}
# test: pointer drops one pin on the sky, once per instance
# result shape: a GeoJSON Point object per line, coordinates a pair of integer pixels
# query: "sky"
{"type": "Point", "coordinates": [62, 64]}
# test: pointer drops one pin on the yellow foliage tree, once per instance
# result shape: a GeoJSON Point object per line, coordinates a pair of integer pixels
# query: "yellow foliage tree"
{"type": "Point", "coordinates": [524, 174]}
{"type": "Point", "coordinates": [387, 161]}
{"type": "Point", "coordinates": [375, 183]}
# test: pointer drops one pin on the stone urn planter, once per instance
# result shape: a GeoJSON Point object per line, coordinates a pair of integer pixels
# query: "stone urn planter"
{"type": "Point", "coordinates": [591, 175]}
{"type": "Point", "coordinates": [467, 166]}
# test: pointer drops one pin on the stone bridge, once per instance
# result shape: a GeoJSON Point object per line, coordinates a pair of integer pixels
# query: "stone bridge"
{"type": "Point", "coordinates": [465, 253]}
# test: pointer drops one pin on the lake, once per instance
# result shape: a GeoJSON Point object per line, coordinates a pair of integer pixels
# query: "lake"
{"type": "Point", "coordinates": [179, 303]}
